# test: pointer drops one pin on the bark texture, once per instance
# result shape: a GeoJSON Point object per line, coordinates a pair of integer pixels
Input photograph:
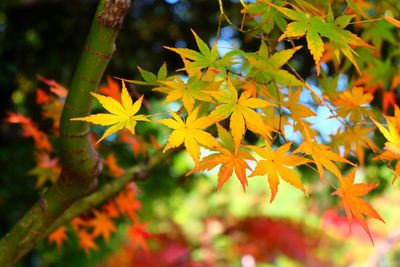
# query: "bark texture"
{"type": "Point", "coordinates": [81, 162]}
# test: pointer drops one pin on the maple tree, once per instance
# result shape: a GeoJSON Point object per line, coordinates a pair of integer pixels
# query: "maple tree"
{"type": "Point", "coordinates": [244, 113]}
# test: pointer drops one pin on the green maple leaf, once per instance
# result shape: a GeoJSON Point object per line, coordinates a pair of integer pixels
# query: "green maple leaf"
{"type": "Point", "coordinates": [198, 60]}
{"type": "Point", "coordinates": [315, 27]}
{"type": "Point", "coordinates": [268, 68]}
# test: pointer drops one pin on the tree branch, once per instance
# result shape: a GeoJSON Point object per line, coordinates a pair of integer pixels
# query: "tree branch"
{"type": "Point", "coordinates": [81, 163]}
{"type": "Point", "coordinates": [136, 173]}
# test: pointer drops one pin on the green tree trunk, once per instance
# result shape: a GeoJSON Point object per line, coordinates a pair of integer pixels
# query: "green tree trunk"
{"type": "Point", "coordinates": [81, 163]}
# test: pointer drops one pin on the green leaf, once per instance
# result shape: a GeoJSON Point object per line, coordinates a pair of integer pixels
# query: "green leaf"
{"type": "Point", "coordinates": [343, 20]}
{"type": "Point", "coordinates": [330, 18]}
{"type": "Point", "coordinates": [202, 45]}
{"type": "Point", "coordinates": [162, 72]}
{"type": "Point", "coordinates": [148, 76]}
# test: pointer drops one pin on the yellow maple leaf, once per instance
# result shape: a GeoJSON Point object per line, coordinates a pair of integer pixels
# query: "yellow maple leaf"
{"type": "Point", "coordinates": [188, 92]}
{"type": "Point", "coordinates": [241, 111]}
{"type": "Point", "coordinates": [354, 140]}
{"type": "Point", "coordinates": [122, 115]}
{"type": "Point", "coordinates": [277, 164]}
{"type": "Point", "coordinates": [190, 133]}
{"type": "Point", "coordinates": [297, 110]}
{"type": "Point", "coordinates": [322, 157]}
{"type": "Point", "coordinates": [392, 133]}
{"type": "Point", "coordinates": [353, 103]}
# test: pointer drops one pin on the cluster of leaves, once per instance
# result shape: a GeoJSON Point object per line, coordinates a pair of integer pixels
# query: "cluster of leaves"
{"type": "Point", "coordinates": [51, 102]}
{"type": "Point", "coordinates": [224, 97]}
{"type": "Point", "coordinates": [100, 222]}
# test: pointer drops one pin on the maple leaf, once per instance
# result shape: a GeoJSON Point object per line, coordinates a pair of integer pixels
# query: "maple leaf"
{"type": "Point", "coordinates": [392, 133]}
{"type": "Point", "coordinates": [189, 133]}
{"type": "Point", "coordinates": [389, 98]}
{"type": "Point", "coordinates": [30, 129]}
{"type": "Point", "coordinates": [86, 241]}
{"type": "Point", "coordinates": [137, 144]}
{"type": "Point", "coordinates": [314, 28]}
{"type": "Point", "coordinates": [42, 97]}
{"type": "Point", "coordinates": [241, 112]}
{"type": "Point", "coordinates": [353, 205]}
{"type": "Point", "coordinates": [138, 235]}
{"type": "Point", "coordinates": [193, 90]}
{"type": "Point", "coordinates": [113, 166]}
{"type": "Point", "coordinates": [353, 104]}
{"type": "Point", "coordinates": [112, 89]}
{"type": "Point", "coordinates": [393, 21]}
{"type": "Point", "coordinates": [297, 110]}
{"type": "Point", "coordinates": [55, 87]}
{"type": "Point", "coordinates": [128, 204]}
{"type": "Point", "coordinates": [122, 116]}
{"type": "Point", "coordinates": [78, 223]}
{"type": "Point", "coordinates": [322, 157]}
{"type": "Point", "coordinates": [110, 209]}
{"type": "Point", "coordinates": [268, 68]}
{"type": "Point", "coordinates": [197, 60]}
{"type": "Point", "coordinates": [354, 140]}
{"type": "Point", "coordinates": [102, 225]}
{"type": "Point", "coordinates": [277, 164]}
{"type": "Point", "coordinates": [149, 77]}
{"type": "Point", "coordinates": [58, 236]}
{"type": "Point", "coordinates": [47, 169]}
{"type": "Point", "coordinates": [388, 155]}
{"type": "Point", "coordinates": [231, 160]}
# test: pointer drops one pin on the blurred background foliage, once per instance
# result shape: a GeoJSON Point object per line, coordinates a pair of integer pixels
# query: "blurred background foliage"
{"type": "Point", "coordinates": [190, 224]}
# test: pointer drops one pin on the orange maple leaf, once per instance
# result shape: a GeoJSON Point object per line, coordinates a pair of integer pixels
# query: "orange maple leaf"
{"type": "Point", "coordinates": [112, 89]}
{"type": "Point", "coordinates": [102, 225]}
{"type": "Point", "coordinates": [137, 143]}
{"type": "Point", "coordinates": [392, 21]}
{"type": "Point", "coordinates": [128, 204]}
{"type": "Point", "coordinates": [277, 164]}
{"type": "Point", "coordinates": [55, 87]}
{"type": "Point", "coordinates": [42, 97]}
{"type": "Point", "coordinates": [353, 205]}
{"type": "Point", "coordinates": [138, 235]}
{"type": "Point", "coordinates": [78, 223]}
{"type": "Point", "coordinates": [232, 160]}
{"type": "Point", "coordinates": [86, 241]}
{"type": "Point", "coordinates": [31, 130]}
{"type": "Point", "coordinates": [113, 166]}
{"type": "Point", "coordinates": [58, 236]}
{"type": "Point", "coordinates": [110, 209]}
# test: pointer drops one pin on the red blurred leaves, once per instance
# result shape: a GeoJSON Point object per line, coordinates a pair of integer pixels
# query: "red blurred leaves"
{"type": "Point", "coordinates": [266, 238]}
{"type": "Point", "coordinates": [30, 130]}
